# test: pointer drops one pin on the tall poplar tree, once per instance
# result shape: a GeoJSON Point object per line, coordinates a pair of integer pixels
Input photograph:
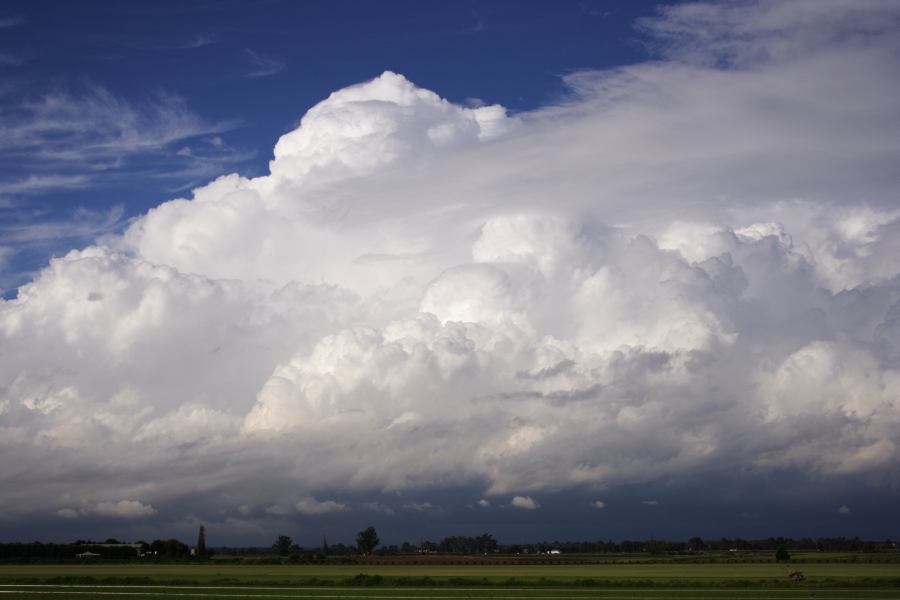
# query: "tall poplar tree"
{"type": "Point", "coordinates": [201, 542]}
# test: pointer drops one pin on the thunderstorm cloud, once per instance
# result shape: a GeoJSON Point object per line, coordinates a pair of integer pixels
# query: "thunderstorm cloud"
{"type": "Point", "coordinates": [683, 266]}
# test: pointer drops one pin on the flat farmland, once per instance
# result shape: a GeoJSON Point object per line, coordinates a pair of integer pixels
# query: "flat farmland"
{"type": "Point", "coordinates": [634, 580]}
{"type": "Point", "coordinates": [624, 574]}
{"type": "Point", "coordinates": [64, 592]}
{"type": "Point", "coordinates": [446, 593]}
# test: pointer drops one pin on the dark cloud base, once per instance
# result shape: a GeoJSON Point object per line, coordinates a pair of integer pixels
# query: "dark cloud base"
{"type": "Point", "coordinates": [788, 504]}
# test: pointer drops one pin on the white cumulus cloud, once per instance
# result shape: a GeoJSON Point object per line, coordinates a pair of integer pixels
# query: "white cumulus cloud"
{"type": "Point", "coordinates": [525, 502]}
{"type": "Point", "coordinates": [687, 266]}
{"type": "Point", "coordinates": [311, 506]}
{"type": "Point", "coordinates": [125, 509]}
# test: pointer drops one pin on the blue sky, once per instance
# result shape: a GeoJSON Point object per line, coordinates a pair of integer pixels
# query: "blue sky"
{"type": "Point", "coordinates": [547, 269]}
{"type": "Point", "coordinates": [238, 75]}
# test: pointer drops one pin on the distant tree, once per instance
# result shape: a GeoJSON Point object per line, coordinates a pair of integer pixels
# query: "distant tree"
{"type": "Point", "coordinates": [340, 549]}
{"type": "Point", "coordinates": [324, 546]}
{"type": "Point", "coordinates": [201, 542]}
{"type": "Point", "coordinates": [486, 543]}
{"type": "Point", "coordinates": [459, 544]}
{"type": "Point", "coordinates": [782, 554]}
{"type": "Point", "coordinates": [283, 545]}
{"type": "Point", "coordinates": [696, 543]}
{"type": "Point", "coordinates": [112, 541]}
{"type": "Point", "coordinates": [367, 540]}
{"type": "Point", "coordinates": [170, 549]}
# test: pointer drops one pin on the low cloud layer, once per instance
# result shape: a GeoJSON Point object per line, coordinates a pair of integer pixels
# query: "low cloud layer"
{"type": "Point", "coordinates": [687, 266]}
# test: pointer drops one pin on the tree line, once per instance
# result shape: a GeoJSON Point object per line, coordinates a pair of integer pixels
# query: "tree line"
{"type": "Point", "coordinates": [487, 544]}
{"type": "Point", "coordinates": [367, 542]}
{"type": "Point", "coordinates": [697, 544]}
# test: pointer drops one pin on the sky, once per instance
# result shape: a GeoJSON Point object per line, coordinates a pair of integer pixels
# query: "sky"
{"type": "Point", "coordinates": [548, 270]}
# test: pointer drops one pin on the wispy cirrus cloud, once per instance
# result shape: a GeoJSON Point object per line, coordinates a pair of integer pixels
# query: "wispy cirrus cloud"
{"type": "Point", "coordinates": [203, 158]}
{"type": "Point", "coordinates": [95, 123]}
{"type": "Point", "coordinates": [10, 60]}
{"type": "Point", "coordinates": [80, 224]}
{"type": "Point", "coordinates": [39, 183]}
{"type": "Point", "coordinates": [199, 41]}
{"type": "Point", "coordinates": [5, 253]}
{"type": "Point", "coordinates": [68, 138]}
{"type": "Point", "coordinates": [262, 65]}
{"type": "Point", "coordinates": [15, 21]}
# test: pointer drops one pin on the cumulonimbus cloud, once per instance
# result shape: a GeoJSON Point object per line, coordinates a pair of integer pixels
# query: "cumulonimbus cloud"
{"type": "Point", "coordinates": [682, 267]}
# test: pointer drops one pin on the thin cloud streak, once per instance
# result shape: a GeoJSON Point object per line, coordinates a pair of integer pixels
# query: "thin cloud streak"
{"type": "Point", "coordinates": [10, 60]}
{"type": "Point", "coordinates": [16, 21]}
{"type": "Point", "coordinates": [40, 183]}
{"type": "Point", "coordinates": [94, 125]}
{"type": "Point", "coordinates": [82, 224]}
{"type": "Point", "coordinates": [198, 41]}
{"type": "Point", "coordinates": [261, 65]}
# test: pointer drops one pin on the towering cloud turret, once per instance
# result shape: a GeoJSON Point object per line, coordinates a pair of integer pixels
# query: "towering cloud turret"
{"type": "Point", "coordinates": [688, 267]}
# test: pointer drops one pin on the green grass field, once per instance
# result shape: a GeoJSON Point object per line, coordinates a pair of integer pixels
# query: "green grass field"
{"type": "Point", "coordinates": [616, 573]}
{"type": "Point", "coordinates": [749, 581]}
{"type": "Point", "coordinates": [497, 593]}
